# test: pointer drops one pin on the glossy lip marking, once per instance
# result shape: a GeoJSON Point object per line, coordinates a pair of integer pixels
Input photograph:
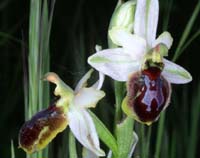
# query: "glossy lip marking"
{"type": "Point", "coordinates": [153, 93]}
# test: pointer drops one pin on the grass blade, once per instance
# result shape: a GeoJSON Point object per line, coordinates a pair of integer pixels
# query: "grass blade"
{"type": "Point", "coordinates": [195, 115]}
{"type": "Point", "coordinates": [12, 150]}
{"type": "Point", "coordinates": [187, 31]}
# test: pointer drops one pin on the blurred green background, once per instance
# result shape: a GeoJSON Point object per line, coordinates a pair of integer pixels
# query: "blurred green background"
{"type": "Point", "coordinates": [77, 27]}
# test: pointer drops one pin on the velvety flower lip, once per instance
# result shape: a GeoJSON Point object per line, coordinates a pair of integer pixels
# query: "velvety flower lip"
{"type": "Point", "coordinates": [70, 109]}
{"type": "Point", "coordinates": [36, 133]}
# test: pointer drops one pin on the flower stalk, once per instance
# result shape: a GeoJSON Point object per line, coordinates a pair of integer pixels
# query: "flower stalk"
{"type": "Point", "coordinates": [122, 18]}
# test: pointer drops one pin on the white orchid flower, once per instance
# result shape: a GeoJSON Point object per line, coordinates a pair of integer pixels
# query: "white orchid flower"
{"type": "Point", "coordinates": [140, 52]}
{"type": "Point", "coordinates": [70, 109]}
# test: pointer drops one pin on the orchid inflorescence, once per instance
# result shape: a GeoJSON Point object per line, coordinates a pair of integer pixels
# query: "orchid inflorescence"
{"type": "Point", "coordinates": [138, 60]}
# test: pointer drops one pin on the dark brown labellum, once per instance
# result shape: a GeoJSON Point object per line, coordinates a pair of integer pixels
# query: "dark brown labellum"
{"type": "Point", "coordinates": [148, 94]}
{"type": "Point", "coordinates": [36, 133]}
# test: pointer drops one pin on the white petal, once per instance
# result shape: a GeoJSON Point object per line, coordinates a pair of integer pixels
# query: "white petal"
{"type": "Point", "coordinates": [140, 16]}
{"type": "Point", "coordinates": [165, 38]}
{"type": "Point", "coordinates": [88, 97]}
{"type": "Point", "coordinates": [83, 81]}
{"type": "Point", "coordinates": [114, 63]}
{"type": "Point", "coordinates": [83, 128]}
{"type": "Point", "coordinates": [88, 154]}
{"type": "Point", "coordinates": [175, 73]}
{"type": "Point", "coordinates": [132, 43]}
{"type": "Point", "coordinates": [152, 21]}
{"type": "Point", "coordinates": [99, 83]}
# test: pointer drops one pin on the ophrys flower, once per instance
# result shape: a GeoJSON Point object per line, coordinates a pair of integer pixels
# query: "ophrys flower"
{"type": "Point", "coordinates": [140, 63]}
{"type": "Point", "coordinates": [70, 108]}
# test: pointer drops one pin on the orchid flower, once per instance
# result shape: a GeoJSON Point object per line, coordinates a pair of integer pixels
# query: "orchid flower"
{"type": "Point", "coordinates": [140, 62]}
{"type": "Point", "coordinates": [70, 109]}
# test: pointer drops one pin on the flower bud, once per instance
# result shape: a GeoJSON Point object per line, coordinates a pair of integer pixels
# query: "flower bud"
{"type": "Point", "coordinates": [123, 16]}
{"type": "Point", "coordinates": [122, 19]}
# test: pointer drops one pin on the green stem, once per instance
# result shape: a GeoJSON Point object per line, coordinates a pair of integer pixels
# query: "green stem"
{"type": "Point", "coordinates": [159, 135]}
{"type": "Point", "coordinates": [123, 129]}
{"type": "Point", "coordinates": [142, 140]}
{"type": "Point", "coordinates": [148, 139]}
{"type": "Point", "coordinates": [118, 101]}
{"type": "Point", "coordinates": [72, 146]}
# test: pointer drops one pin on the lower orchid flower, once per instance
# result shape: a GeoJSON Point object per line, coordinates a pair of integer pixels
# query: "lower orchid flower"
{"type": "Point", "coordinates": [70, 109]}
{"type": "Point", "coordinates": [140, 62]}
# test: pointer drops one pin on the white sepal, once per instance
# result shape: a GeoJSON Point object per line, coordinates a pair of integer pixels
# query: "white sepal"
{"type": "Point", "coordinates": [175, 73]}
{"type": "Point", "coordinates": [114, 63]}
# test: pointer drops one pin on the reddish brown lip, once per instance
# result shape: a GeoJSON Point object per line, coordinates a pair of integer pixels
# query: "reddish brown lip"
{"type": "Point", "coordinates": [148, 94]}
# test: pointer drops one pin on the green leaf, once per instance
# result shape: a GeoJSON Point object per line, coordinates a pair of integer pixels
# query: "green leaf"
{"type": "Point", "coordinates": [105, 134]}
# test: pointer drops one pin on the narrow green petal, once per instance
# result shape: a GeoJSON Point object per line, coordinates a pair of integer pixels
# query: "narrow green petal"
{"type": "Point", "coordinates": [62, 90]}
